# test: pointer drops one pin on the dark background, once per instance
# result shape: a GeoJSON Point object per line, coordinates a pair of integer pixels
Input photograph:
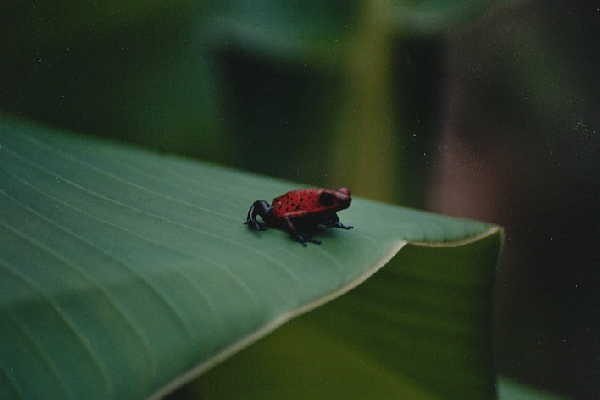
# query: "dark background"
{"type": "Point", "coordinates": [520, 147]}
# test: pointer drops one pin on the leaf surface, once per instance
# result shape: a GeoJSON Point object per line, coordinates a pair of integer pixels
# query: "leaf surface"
{"type": "Point", "coordinates": [124, 273]}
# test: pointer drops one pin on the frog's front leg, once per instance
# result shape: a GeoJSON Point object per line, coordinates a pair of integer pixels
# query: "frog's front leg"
{"type": "Point", "coordinates": [291, 228]}
{"type": "Point", "coordinates": [262, 208]}
{"type": "Point", "coordinates": [334, 222]}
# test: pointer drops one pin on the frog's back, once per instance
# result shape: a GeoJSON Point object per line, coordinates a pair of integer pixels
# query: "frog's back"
{"type": "Point", "coordinates": [296, 201]}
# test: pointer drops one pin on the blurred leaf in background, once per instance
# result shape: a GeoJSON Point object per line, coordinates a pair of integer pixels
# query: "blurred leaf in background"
{"type": "Point", "coordinates": [327, 92]}
{"type": "Point", "coordinates": [132, 70]}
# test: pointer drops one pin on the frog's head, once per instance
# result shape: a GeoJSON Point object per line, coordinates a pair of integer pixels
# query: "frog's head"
{"type": "Point", "coordinates": [335, 199]}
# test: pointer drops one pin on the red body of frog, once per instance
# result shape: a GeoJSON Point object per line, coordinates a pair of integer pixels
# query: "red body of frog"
{"type": "Point", "coordinates": [300, 212]}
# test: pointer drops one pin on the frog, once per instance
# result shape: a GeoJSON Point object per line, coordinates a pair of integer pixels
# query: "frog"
{"type": "Point", "coordinates": [301, 212]}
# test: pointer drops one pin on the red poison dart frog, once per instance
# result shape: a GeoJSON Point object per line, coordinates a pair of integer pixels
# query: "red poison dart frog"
{"type": "Point", "coordinates": [300, 212]}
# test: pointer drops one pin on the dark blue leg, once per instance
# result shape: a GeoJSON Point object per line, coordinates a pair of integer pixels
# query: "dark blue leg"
{"type": "Point", "coordinates": [262, 208]}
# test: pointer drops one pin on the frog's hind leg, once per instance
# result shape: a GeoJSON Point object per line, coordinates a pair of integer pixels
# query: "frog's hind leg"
{"type": "Point", "coordinates": [262, 208]}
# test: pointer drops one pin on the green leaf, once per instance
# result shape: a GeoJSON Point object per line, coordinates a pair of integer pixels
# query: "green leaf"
{"type": "Point", "coordinates": [419, 328]}
{"type": "Point", "coordinates": [125, 273]}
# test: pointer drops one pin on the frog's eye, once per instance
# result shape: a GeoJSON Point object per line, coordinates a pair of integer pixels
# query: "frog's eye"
{"type": "Point", "coordinates": [326, 199]}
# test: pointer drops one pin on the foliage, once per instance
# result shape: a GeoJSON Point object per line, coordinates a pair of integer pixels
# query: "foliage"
{"type": "Point", "coordinates": [124, 271]}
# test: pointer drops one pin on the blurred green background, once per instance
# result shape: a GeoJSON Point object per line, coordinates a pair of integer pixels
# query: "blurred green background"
{"type": "Point", "coordinates": [482, 109]}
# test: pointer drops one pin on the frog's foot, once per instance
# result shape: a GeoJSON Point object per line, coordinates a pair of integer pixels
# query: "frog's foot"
{"type": "Point", "coordinates": [254, 224]}
{"type": "Point", "coordinates": [309, 239]}
{"type": "Point", "coordinates": [338, 224]}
